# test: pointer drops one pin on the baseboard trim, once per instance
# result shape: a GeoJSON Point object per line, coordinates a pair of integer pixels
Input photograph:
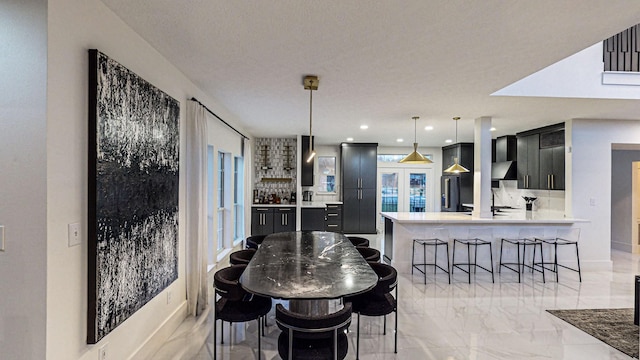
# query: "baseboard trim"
{"type": "Point", "coordinates": [621, 246]}
{"type": "Point", "coordinates": [155, 341]}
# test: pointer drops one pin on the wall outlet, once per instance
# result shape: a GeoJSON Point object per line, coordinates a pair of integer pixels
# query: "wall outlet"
{"type": "Point", "coordinates": [74, 234]}
{"type": "Point", "coordinates": [592, 202]}
{"type": "Point", "coordinates": [102, 352]}
{"type": "Point", "coordinates": [168, 297]}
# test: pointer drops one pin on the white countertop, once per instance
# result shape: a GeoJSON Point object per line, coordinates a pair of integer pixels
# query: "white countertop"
{"type": "Point", "coordinates": [318, 204]}
{"type": "Point", "coordinates": [273, 205]}
{"type": "Point", "coordinates": [505, 217]}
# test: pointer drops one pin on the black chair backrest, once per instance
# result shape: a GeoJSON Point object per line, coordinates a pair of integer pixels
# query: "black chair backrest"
{"type": "Point", "coordinates": [252, 242]}
{"type": "Point", "coordinates": [313, 326]}
{"type": "Point", "coordinates": [358, 241]}
{"type": "Point", "coordinates": [241, 256]}
{"type": "Point", "coordinates": [387, 278]}
{"type": "Point", "coordinates": [369, 254]}
{"type": "Point", "coordinates": [226, 282]}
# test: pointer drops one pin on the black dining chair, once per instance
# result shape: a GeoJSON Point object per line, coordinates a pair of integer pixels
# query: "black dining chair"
{"type": "Point", "coordinates": [313, 337]}
{"type": "Point", "coordinates": [235, 304]}
{"type": "Point", "coordinates": [369, 254]}
{"type": "Point", "coordinates": [378, 301]}
{"type": "Point", "coordinates": [241, 256]}
{"type": "Point", "coordinates": [253, 242]}
{"type": "Point", "coordinates": [358, 241]}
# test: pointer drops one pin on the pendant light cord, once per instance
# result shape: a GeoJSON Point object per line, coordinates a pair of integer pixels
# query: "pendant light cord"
{"type": "Point", "coordinates": [310, 118]}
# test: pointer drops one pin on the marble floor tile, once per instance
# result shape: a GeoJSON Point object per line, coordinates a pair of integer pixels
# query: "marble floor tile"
{"type": "Point", "coordinates": [481, 320]}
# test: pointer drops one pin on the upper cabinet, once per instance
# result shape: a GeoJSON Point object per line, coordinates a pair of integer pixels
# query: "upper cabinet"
{"type": "Point", "coordinates": [541, 158]}
{"type": "Point", "coordinates": [528, 161]}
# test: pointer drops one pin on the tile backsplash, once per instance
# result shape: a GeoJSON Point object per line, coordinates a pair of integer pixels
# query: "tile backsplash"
{"type": "Point", "coordinates": [508, 194]}
{"type": "Point", "coordinates": [275, 166]}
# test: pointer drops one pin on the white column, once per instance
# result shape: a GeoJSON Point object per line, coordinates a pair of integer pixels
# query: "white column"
{"type": "Point", "coordinates": [482, 168]}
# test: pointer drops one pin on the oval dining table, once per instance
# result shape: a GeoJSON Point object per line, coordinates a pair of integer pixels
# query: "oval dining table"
{"type": "Point", "coordinates": [308, 268]}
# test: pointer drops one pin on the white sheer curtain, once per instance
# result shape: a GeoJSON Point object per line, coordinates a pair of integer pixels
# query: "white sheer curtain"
{"type": "Point", "coordinates": [196, 230]}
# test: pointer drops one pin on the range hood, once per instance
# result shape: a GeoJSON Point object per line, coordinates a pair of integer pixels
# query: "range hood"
{"type": "Point", "coordinates": [504, 170]}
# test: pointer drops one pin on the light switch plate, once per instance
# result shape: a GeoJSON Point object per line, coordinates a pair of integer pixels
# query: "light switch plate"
{"type": "Point", "coordinates": [74, 234]}
{"type": "Point", "coordinates": [2, 238]}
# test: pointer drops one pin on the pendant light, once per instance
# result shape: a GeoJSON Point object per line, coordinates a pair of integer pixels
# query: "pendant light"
{"type": "Point", "coordinates": [311, 83]}
{"type": "Point", "coordinates": [456, 168]}
{"type": "Point", "coordinates": [415, 157]}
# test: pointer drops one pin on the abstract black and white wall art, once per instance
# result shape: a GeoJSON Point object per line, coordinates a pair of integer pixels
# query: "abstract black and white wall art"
{"type": "Point", "coordinates": [133, 193]}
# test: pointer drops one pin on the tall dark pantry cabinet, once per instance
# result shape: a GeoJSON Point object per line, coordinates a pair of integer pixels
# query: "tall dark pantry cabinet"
{"type": "Point", "coordinates": [359, 165]}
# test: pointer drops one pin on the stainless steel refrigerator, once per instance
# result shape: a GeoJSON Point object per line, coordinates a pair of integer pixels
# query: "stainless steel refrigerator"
{"type": "Point", "coordinates": [450, 187]}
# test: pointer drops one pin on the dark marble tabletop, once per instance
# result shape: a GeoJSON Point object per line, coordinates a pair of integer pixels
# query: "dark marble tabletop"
{"type": "Point", "coordinates": [307, 265]}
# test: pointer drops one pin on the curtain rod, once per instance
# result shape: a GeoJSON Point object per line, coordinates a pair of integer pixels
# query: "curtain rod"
{"type": "Point", "coordinates": [219, 118]}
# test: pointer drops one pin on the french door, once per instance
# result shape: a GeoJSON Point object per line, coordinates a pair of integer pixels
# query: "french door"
{"type": "Point", "coordinates": [405, 190]}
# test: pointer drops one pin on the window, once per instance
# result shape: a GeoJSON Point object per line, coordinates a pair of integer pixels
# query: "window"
{"type": "Point", "coordinates": [394, 158]}
{"type": "Point", "coordinates": [327, 173]}
{"type": "Point", "coordinates": [221, 178]}
{"type": "Point", "coordinates": [238, 198]}
{"type": "Point", "coordinates": [211, 234]}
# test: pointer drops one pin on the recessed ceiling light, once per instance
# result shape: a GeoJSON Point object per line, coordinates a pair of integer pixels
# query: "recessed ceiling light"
{"type": "Point", "coordinates": [493, 129]}
{"type": "Point", "coordinates": [364, 127]}
{"type": "Point", "coordinates": [399, 140]}
{"type": "Point", "coordinates": [428, 128]}
{"type": "Point", "coordinates": [448, 141]}
{"type": "Point", "coordinates": [349, 139]}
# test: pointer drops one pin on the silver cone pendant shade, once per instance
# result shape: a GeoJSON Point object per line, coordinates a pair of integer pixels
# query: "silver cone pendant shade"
{"type": "Point", "coordinates": [415, 157]}
{"type": "Point", "coordinates": [456, 168]}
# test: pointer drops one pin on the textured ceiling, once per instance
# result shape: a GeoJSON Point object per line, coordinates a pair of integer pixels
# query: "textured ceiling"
{"type": "Point", "coordinates": [380, 63]}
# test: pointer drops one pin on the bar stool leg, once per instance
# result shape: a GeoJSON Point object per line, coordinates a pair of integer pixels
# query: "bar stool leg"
{"type": "Point", "coordinates": [435, 260]}
{"type": "Point", "coordinates": [491, 264]}
{"type": "Point", "coordinates": [424, 258]}
{"type": "Point", "coordinates": [469, 261]}
{"type": "Point", "coordinates": [500, 265]}
{"type": "Point", "coordinates": [555, 262]}
{"type": "Point", "coordinates": [518, 264]}
{"type": "Point", "coordinates": [453, 259]}
{"type": "Point", "coordinates": [578, 258]}
{"type": "Point", "coordinates": [413, 255]}
{"type": "Point", "coordinates": [449, 269]}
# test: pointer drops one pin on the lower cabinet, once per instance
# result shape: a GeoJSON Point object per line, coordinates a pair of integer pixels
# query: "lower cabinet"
{"type": "Point", "coordinates": [269, 220]}
{"type": "Point", "coordinates": [328, 218]}
{"type": "Point", "coordinates": [312, 219]}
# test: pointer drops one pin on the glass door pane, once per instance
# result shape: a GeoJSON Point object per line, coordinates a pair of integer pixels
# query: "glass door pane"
{"type": "Point", "coordinates": [390, 192]}
{"type": "Point", "coordinates": [417, 191]}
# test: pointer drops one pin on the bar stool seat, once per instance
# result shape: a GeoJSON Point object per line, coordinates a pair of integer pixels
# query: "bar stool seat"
{"type": "Point", "coordinates": [476, 238]}
{"type": "Point", "coordinates": [524, 240]}
{"type": "Point", "coordinates": [563, 237]}
{"type": "Point", "coordinates": [435, 237]}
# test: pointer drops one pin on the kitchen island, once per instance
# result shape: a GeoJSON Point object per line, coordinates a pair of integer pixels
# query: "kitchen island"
{"type": "Point", "coordinates": [402, 227]}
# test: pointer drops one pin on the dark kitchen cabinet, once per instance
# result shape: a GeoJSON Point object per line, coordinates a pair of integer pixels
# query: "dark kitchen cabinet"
{"type": "Point", "coordinates": [552, 152]}
{"type": "Point", "coordinates": [312, 219]}
{"type": "Point", "coordinates": [328, 218]}
{"type": "Point", "coordinates": [284, 219]}
{"type": "Point", "coordinates": [463, 192]}
{"type": "Point", "coordinates": [268, 220]}
{"type": "Point", "coordinates": [261, 220]}
{"type": "Point", "coordinates": [359, 173]}
{"type": "Point", "coordinates": [541, 158]}
{"type": "Point", "coordinates": [528, 161]}
{"type": "Point", "coordinates": [552, 168]}
{"type": "Point", "coordinates": [333, 218]}
{"type": "Point", "coordinates": [506, 148]}
{"type": "Point", "coordinates": [306, 168]}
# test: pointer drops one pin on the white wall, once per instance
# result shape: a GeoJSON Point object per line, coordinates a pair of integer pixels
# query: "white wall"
{"type": "Point", "coordinates": [74, 26]}
{"type": "Point", "coordinates": [622, 168]}
{"type": "Point", "coordinates": [23, 74]}
{"type": "Point", "coordinates": [589, 181]}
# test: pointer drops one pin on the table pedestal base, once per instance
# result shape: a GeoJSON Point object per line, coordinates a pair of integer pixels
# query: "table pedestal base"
{"type": "Point", "coordinates": [315, 307]}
